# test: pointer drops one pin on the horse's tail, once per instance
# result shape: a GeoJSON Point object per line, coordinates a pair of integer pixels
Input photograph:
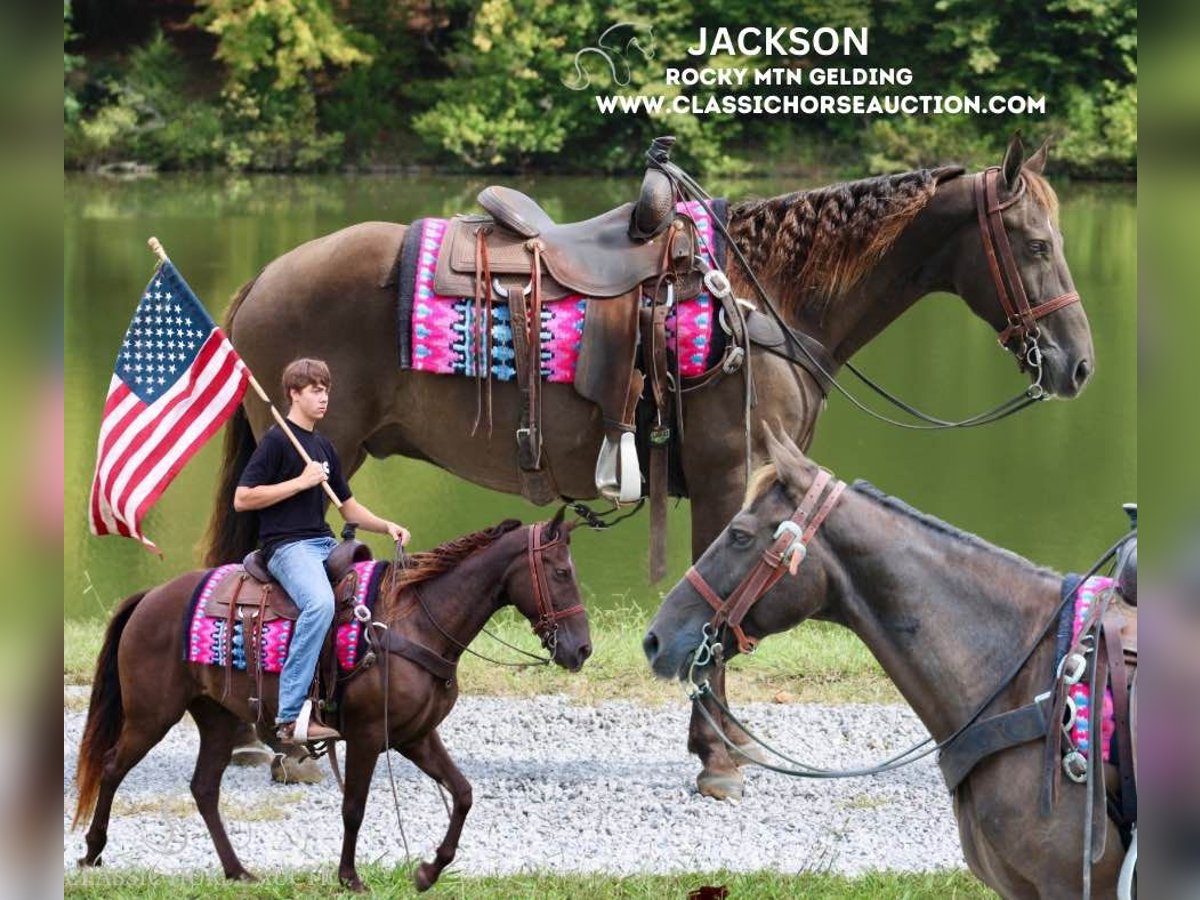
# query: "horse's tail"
{"type": "Point", "coordinates": [105, 713]}
{"type": "Point", "coordinates": [236, 304]}
{"type": "Point", "coordinates": [231, 535]}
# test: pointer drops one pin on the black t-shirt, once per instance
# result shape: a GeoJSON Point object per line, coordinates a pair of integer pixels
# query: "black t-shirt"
{"type": "Point", "coordinates": [302, 515]}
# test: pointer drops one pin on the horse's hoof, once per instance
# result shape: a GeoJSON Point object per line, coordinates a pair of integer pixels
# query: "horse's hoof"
{"type": "Point", "coordinates": [256, 754]}
{"type": "Point", "coordinates": [242, 876]}
{"type": "Point", "coordinates": [748, 755]}
{"type": "Point", "coordinates": [353, 883]}
{"type": "Point", "coordinates": [720, 785]}
{"type": "Point", "coordinates": [425, 876]}
{"type": "Point", "coordinates": [83, 863]}
{"type": "Point", "coordinates": [287, 770]}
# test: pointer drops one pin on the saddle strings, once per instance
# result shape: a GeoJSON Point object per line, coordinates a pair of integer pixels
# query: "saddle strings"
{"type": "Point", "coordinates": [482, 330]}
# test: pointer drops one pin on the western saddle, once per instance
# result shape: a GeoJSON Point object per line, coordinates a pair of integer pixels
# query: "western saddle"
{"type": "Point", "coordinates": [631, 263]}
{"type": "Point", "coordinates": [254, 598]}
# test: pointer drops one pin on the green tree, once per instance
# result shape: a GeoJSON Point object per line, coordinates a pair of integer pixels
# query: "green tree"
{"type": "Point", "coordinates": [277, 57]}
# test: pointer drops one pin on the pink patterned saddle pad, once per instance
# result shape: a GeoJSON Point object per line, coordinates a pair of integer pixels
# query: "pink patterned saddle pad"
{"type": "Point", "coordinates": [1080, 693]}
{"type": "Point", "coordinates": [206, 643]}
{"type": "Point", "coordinates": [442, 336]}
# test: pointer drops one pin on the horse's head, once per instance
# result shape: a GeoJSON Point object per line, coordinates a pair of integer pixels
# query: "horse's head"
{"type": "Point", "coordinates": [1016, 205]}
{"type": "Point", "coordinates": [683, 620]}
{"type": "Point", "coordinates": [542, 585]}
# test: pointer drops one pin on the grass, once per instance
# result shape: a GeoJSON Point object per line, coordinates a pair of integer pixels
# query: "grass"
{"type": "Point", "coordinates": [390, 883]}
{"type": "Point", "coordinates": [816, 663]}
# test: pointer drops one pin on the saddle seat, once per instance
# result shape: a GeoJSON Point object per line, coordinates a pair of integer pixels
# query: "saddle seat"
{"type": "Point", "coordinates": [254, 592]}
{"type": "Point", "coordinates": [595, 258]}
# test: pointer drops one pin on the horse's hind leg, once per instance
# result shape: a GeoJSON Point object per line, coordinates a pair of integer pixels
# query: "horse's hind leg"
{"type": "Point", "coordinates": [431, 757]}
{"type": "Point", "coordinates": [138, 736]}
{"type": "Point", "coordinates": [218, 731]}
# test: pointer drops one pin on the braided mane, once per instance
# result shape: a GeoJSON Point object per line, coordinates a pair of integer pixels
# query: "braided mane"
{"type": "Point", "coordinates": [821, 242]}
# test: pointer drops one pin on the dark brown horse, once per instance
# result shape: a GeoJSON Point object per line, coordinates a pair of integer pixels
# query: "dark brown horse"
{"type": "Point", "coordinates": [947, 615]}
{"type": "Point", "coordinates": [841, 262]}
{"type": "Point", "coordinates": [142, 685]}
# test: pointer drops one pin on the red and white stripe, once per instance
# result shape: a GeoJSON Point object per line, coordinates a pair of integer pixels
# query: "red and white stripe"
{"type": "Point", "coordinates": [143, 446]}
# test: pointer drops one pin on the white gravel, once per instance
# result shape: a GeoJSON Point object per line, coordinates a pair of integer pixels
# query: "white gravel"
{"type": "Point", "coordinates": [560, 787]}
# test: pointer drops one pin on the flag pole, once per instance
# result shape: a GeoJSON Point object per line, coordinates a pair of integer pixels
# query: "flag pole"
{"type": "Point", "coordinates": [157, 248]}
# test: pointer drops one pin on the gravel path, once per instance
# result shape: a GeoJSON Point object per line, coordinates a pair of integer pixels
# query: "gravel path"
{"type": "Point", "coordinates": [560, 787]}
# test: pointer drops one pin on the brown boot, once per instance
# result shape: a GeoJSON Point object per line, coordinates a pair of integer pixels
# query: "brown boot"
{"type": "Point", "coordinates": [316, 732]}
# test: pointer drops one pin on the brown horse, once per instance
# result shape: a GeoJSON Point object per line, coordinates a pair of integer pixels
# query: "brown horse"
{"type": "Point", "coordinates": [841, 262]}
{"type": "Point", "coordinates": [947, 615]}
{"type": "Point", "coordinates": [142, 685]}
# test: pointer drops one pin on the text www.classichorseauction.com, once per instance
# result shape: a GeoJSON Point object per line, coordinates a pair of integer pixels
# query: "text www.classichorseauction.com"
{"type": "Point", "coordinates": [822, 104]}
{"type": "Point", "coordinates": [615, 45]}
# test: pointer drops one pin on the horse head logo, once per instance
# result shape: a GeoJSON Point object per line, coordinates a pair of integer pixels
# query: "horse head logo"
{"type": "Point", "coordinates": [614, 43]}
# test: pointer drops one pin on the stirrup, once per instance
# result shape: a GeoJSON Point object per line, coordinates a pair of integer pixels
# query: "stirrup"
{"type": "Point", "coordinates": [627, 487]}
{"type": "Point", "coordinates": [300, 732]}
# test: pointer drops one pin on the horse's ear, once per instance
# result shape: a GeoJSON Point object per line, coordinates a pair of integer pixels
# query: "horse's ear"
{"type": "Point", "coordinates": [786, 456]}
{"type": "Point", "coordinates": [555, 525]}
{"type": "Point", "coordinates": [1037, 162]}
{"type": "Point", "coordinates": [1014, 158]}
{"type": "Point", "coordinates": [945, 173]}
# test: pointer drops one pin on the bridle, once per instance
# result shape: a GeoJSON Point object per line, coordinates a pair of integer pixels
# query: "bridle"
{"type": "Point", "coordinates": [546, 624]}
{"type": "Point", "coordinates": [1002, 264]}
{"type": "Point", "coordinates": [784, 555]}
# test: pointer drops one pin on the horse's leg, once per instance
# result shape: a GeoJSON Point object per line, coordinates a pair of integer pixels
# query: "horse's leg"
{"type": "Point", "coordinates": [714, 466]}
{"type": "Point", "coordinates": [218, 730]}
{"type": "Point", "coordinates": [138, 736]}
{"type": "Point", "coordinates": [361, 756]}
{"type": "Point", "coordinates": [431, 757]}
{"type": "Point", "coordinates": [719, 776]}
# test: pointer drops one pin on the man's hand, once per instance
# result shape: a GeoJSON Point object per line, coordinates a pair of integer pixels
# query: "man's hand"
{"type": "Point", "coordinates": [398, 533]}
{"type": "Point", "coordinates": [313, 474]}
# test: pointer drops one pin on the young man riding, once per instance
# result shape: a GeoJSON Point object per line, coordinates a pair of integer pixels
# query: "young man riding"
{"type": "Point", "coordinates": [295, 537]}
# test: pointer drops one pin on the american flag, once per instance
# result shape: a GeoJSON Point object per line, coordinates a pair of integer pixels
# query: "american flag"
{"type": "Point", "coordinates": [177, 379]}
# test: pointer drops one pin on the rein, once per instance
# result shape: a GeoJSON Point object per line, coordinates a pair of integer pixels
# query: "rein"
{"type": "Point", "coordinates": [709, 650]}
{"type": "Point", "coordinates": [1019, 313]}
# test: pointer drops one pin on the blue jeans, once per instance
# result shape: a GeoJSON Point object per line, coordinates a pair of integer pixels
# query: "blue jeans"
{"type": "Point", "coordinates": [300, 568]}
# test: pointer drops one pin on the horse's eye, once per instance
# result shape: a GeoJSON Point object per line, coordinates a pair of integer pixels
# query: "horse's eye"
{"type": "Point", "coordinates": [562, 573]}
{"type": "Point", "coordinates": [1038, 247]}
{"type": "Point", "coordinates": [740, 538]}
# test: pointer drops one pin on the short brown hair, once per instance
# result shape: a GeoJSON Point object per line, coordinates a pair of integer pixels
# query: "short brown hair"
{"type": "Point", "coordinates": [300, 373]}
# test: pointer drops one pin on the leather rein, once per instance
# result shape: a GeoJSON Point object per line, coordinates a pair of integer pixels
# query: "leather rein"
{"type": "Point", "coordinates": [1019, 314]}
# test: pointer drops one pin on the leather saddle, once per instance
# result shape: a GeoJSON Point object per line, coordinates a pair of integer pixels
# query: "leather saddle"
{"type": "Point", "coordinates": [254, 593]}
{"type": "Point", "coordinates": [595, 258]}
{"type": "Point", "coordinates": [518, 254]}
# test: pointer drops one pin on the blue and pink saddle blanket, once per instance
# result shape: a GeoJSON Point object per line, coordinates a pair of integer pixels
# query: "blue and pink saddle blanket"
{"type": "Point", "coordinates": [1074, 615]}
{"type": "Point", "coordinates": [205, 636]}
{"type": "Point", "coordinates": [437, 333]}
